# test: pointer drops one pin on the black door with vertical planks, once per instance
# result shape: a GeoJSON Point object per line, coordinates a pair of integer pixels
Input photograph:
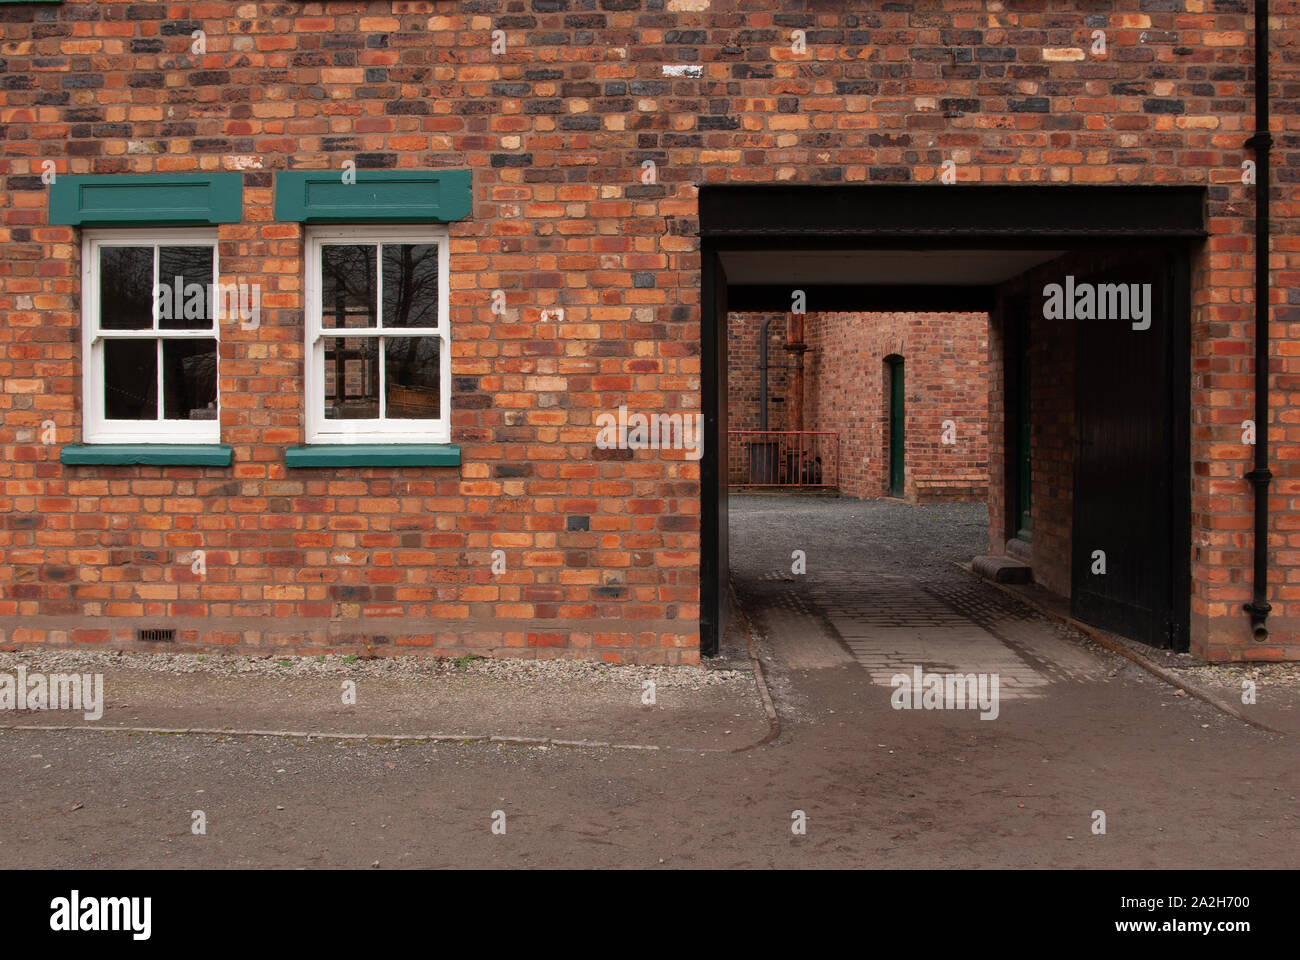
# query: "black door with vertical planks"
{"type": "Point", "coordinates": [1124, 549]}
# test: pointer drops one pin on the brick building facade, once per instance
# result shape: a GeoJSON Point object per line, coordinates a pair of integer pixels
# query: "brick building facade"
{"type": "Point", "coordinates": [541, 162]}
{"type": "Point", "coordinates": [846, 388]}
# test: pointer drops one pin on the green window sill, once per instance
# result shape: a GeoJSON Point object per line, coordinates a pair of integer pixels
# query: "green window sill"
{"type": "Point", "coordinates": [148, 454]}
{"type": "Point", "coordinates": [374, 455]}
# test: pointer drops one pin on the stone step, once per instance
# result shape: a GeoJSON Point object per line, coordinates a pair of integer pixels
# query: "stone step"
{"type": "Point", "coordinates": [1003, 569]}
{"type": "Point", "coordinates": [1020, 550]}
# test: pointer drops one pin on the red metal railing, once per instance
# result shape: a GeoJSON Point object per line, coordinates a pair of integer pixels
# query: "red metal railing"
{"type": "Point", "coordinates": [783, 458]}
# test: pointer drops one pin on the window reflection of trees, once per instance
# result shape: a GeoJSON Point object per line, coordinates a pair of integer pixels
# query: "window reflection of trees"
{"type": "Point", "coordinates": [410, 285]}
{"type": "Point", "coordinates": [126, 288]}
{"type": "Point", "coordinates": [194, 266]}
{"type": "Point", "coordinates": [412, 375]}
{"type": "Point", "coordinates": [412, 364]}
{"type": "Point", "coordinates": [126, 302]}
{"type": "Point", "coordinates": [348, 285]}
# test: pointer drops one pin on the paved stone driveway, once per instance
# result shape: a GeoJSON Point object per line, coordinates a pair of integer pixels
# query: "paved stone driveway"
{"type": "Point", "coordinates": [881, 588]}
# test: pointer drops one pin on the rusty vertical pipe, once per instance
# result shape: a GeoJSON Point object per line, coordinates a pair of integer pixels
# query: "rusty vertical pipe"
{"type": "Point", "coordinates": [762, 375]}
{"type": "Point", "coordinates": [795, 347]}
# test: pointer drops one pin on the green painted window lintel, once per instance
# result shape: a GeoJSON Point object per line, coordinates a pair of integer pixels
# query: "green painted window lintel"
{"type": "Point", "coordinates": [373, 455]}
{"type": "Point", "coordinates": [148, 454]}
{"type": "Point", "coordinates": [125, 200]}
{"type": "Point", "coordinates": [376, 196]}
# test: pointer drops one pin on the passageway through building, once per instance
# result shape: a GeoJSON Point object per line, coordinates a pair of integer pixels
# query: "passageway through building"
{"type": "Point", "coordinates": [836, 582]}
{"type": "Point", "coordinates": [858, 473]}
{"type": "Point", "coordinates": [1087, 294]}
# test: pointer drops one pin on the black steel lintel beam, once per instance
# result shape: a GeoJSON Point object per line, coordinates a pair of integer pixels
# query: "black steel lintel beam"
{"type": "Point", "coordinates": [861, 298]}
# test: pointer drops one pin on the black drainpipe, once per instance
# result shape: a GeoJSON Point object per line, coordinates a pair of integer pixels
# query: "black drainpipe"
{"type": "Point", "coordinates": [762, 368]}
{"type": "Point", "coordinates": [1261, 142]}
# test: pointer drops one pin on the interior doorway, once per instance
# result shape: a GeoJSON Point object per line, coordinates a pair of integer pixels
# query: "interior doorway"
{"type": "Point", "coordinates": [897, 425]}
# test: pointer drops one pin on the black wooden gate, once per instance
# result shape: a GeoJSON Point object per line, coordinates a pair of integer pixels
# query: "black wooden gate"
{"type": "Point", "coordinates": [1129, 541]}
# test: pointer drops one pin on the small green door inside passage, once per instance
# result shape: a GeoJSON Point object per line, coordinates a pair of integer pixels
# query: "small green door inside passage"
{"type": "Point", "coordinates": [896, 414]}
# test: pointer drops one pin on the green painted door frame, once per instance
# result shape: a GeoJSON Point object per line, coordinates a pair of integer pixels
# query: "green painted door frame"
{"type": "Point", "coordinates": [897, 416]}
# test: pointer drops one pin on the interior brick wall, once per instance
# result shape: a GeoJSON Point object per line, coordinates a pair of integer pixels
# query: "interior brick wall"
{"type": "Point", "coordinates": [846, 393]}
{"type": "Point", "coordinates": [945, 375]}
{"type": "Point", "coordinates": [744, 376]}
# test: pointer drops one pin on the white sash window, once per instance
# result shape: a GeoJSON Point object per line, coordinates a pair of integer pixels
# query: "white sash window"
{"type": "Point", "coordinates": [378, 338]}
{"type": "Point", "coordinates": [149, 336]}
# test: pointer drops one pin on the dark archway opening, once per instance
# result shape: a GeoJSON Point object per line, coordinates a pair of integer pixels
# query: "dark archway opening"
{"type": "Point", "coordinates": [1124, 453]}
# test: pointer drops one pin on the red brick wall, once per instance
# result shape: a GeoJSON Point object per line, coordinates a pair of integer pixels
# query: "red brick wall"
{"type": "Point", "coordinates": [743, 377]}
{"type": "Point", "coordinates": [945, 377]}
{"type": "Point", "coordinates": [603, 549]}
{"type": "Point", "coordinates": [846, 393]}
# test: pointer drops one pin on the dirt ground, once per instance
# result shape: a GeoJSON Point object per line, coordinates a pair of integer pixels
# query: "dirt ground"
{"type": "Point", "coordinates": [1180, 783]}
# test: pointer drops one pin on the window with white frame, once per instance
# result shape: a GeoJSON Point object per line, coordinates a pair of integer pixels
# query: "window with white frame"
{"type": "Point", "coordinates": [149, 336]}
{"type": "Point", "coordinates": [378, 357]}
